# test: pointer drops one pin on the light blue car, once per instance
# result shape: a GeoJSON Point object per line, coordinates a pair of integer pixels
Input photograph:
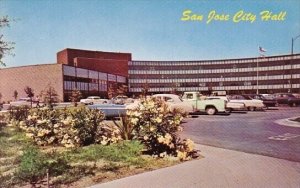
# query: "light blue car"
{"type": "Point", "coordinates": [110, 110]}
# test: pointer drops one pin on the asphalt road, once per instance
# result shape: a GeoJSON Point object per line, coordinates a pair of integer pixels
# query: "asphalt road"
{"type": "Point", "coordinates": [251, 132]}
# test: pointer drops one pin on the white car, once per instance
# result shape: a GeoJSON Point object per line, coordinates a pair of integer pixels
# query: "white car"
{"type": "Point", "coordinates": [94, 100]}
{"type": "Point", "coordinates": [21, 102]}
{"type": "Point", "coordinates": [251, 104]}
{"type": "Point", "coordinates": [175, 102]}
{"type": "Point", "coordinates": [231, 105]}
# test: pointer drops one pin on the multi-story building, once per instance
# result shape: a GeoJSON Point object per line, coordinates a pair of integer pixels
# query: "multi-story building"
{"type": "Point", "coordinates": [265, 74]}
{"type": "Point", "coordinates": [91, 72]}
{"type": "Point", "coordinates": [94, 72]}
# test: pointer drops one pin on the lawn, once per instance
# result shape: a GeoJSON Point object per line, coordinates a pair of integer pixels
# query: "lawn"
{"type": "Point", "coordinates": [85, 165]}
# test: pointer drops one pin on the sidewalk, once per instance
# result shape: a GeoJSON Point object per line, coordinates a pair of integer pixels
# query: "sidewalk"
{"type": "Point", "coordinates": [219, 168]}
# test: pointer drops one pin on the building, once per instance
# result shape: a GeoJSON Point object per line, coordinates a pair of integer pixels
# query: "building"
{"type": "Point", "coordinates": [247, 75]}
{"type": "Point", "coordinates": [96, 72]}
{"type": "Point", "coordinates": [91, 72]}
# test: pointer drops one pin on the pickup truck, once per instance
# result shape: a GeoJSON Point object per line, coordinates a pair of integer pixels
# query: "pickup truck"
{"type": "Point", "coordinates": [202, 104]}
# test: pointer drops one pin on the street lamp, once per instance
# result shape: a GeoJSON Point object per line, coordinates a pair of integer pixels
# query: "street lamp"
{"type": "Point", "coordinates": [292, 52]}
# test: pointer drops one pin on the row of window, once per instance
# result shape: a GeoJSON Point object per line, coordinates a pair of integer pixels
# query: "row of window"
{"type": "Point", "coordinates": [83, 86]}
{"type": "Point", "coordinates": [185, 63]}
{"type": "Point", "coordinates": [233, 70]}
{"type": "Point", "coordinates": [247, 78]}
{"type": "Point", "coordinates": [85, 73]}
{"type": "Point", "coordinates": [227, 88]}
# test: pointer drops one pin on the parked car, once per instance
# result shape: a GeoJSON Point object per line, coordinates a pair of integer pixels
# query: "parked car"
{"type": "Point", "coordinates": [251, 104]}
{"type": "Point", "coordinates": [175, 102]}
{"type": "Point", "coordinates": [122, 99]}
{"type": "Point", "coordinates": [201, 103]}
{"type": "Point", "coordinates": [25, 101]}
{"type": "Point", "coordinates": [231, 106]}
{"type": "Point", "coordinates": [287, 98]}
{"type": "Point", "coordinates": [110, 110]}
{"type": "Point", "coordinates": [94, 100]}
{"type": "Point", "coordinates": [268, 100]}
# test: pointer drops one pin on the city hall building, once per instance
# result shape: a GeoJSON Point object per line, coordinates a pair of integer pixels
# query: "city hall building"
{"type": "Point", "coordinates": [93, 72]}
{"type": "Point", "coordinates": [267, 74]}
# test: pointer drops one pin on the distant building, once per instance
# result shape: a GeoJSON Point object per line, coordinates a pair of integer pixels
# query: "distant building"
{"type": "Point", "coordinates": [275, 74]}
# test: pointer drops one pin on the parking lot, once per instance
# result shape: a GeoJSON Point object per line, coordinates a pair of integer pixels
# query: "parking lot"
{"type": "Point", "coordinates": [252, 132]}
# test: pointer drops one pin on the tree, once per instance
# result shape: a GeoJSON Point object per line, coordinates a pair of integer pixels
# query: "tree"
{"type": "Point", "coordinates": [5, 46]}
{"type": "Point", "coordinates": [75, 96]}
{"type": "Point", "coordinates": [145, 89]}
{"type": "Point", "coordinates": [15, 94]}
{"type": "Point", "coordinates": [49, 96]}
{"type": "Point", "coordinates": [112, 90]}
{"type": "Point", "coordinates": [122, 90]}
{"type": "Point", "coordinates": [30, 93]}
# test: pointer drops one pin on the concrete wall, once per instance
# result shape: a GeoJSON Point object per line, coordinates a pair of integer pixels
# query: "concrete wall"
{"type": "Point", "coordinates": [35, 76]}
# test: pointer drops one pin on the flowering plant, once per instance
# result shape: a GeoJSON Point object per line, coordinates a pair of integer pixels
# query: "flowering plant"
{"type": "Point", "coordinates": [157, 128]}
{"type": "Point", "coordinates": [67, 127]}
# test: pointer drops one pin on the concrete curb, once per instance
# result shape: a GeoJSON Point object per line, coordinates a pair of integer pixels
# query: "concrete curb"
{"type": "Point", "coordinates": [219, 168]}
{"type": "Point", "coordinates": [288, 122]}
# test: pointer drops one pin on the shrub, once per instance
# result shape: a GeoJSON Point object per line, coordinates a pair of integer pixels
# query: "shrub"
{"type": "Point", "coordinates": [156, 127]}
{"type": "Point", "coordinates": [67, 127]}
{"type": "Point", "coordinates": [35, 165]}
{"type": "Point", "coordinates": [32, 167]}
{"type": "Point", "coordinates": [17, 114]}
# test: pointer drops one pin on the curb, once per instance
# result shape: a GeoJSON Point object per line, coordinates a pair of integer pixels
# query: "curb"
{"type": "Point", "coordinates": [288, 122]}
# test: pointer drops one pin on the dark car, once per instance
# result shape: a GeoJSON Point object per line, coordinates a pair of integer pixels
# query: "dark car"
{"type": "Point", "coordinates": [268, 101]}
{"type": "Point", "coordinates": [287, 98]}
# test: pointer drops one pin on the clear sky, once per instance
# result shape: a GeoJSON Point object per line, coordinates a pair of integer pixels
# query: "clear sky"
{"type": "Point", "coordinates": [150, 30]}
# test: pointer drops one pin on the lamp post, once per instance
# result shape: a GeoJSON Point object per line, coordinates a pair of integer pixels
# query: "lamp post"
{"type": "Point", "coordinates": [292, 52]}
{"type": "Point", "coordinates": [293, 39]}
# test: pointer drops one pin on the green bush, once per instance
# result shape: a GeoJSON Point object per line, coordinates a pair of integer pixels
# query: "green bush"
{"type": "Point", "coordinates": [68, 127]}
{"type": "Point", "coordinates": [33, 166]}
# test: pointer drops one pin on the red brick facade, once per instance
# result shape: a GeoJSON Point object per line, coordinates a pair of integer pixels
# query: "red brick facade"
{"type": "Point", "coordinates": [109, 62]}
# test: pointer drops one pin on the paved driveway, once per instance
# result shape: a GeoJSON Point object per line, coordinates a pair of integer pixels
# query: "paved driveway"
{"type": "Point", "coordinates": [252, 132]}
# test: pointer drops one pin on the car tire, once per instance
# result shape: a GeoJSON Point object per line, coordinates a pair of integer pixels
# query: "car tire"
{"type": "Point", "coordinates": [251, 108]}
{"type": "Point", "coordinates": [91, 103]}
{"type": "Point", "coordinates": [211, 110]}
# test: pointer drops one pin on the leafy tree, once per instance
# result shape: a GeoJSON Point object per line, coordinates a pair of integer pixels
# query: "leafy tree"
{"type": "Point", "coordinates": [5, 47]}
{"type": "Point", "coordinates": [112, 90]}
{"type": "Point", "coordinates": [145, 89]}
{"type": "Point", "coordinates": [15, 94]}
{"type": "Point", "coordinates": [30, 93]}
{"type": "Point", "coordinates": [122, 90]}
{"type": "Point", "coordinates": [76, 95]}
{"type": "Point", "coordinates": [49, 96]}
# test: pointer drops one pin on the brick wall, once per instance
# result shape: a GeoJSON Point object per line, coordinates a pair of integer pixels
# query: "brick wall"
{"type": "Point", "coordinates": [118, 67]}
{"type": "Point", "coordinates": [35, 76]}
{"type": "Point", "coordinates": [110, 62]}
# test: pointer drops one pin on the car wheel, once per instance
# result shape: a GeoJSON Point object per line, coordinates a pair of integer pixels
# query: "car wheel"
{"type": "Point", "coordinates": [91, 103]}
{"type": "Point", "coordinates": [210, 110]}
{"type": "Point", "coordinates": [251, 108]}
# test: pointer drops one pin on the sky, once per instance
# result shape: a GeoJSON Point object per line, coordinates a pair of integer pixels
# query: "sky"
{"type": "Point", "coordinates": [149, 29]}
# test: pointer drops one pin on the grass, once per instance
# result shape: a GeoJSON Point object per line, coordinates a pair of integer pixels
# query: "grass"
{"type": "Point", "coordinates": [86, 165]}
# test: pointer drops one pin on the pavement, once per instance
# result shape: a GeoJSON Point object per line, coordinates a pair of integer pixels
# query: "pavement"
{"type": "Point", "coordinates": [219, 168]}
